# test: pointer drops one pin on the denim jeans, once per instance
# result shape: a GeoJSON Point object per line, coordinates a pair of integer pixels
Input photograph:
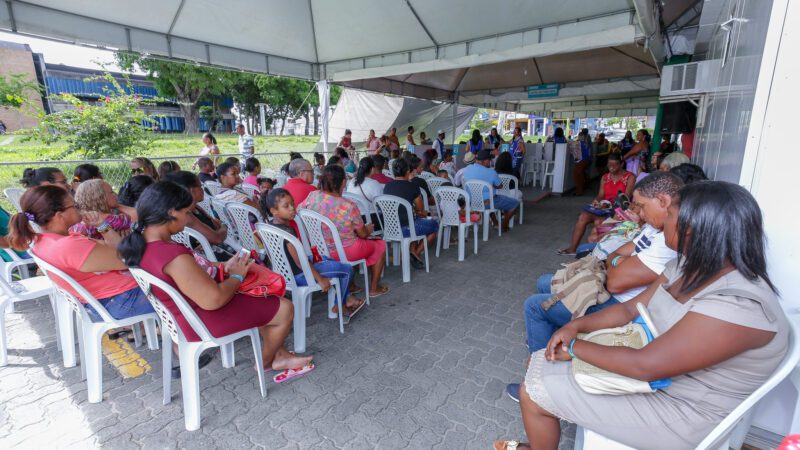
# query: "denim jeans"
{"type": "Point", "coordinates": [540, 324]}
{"type": "Point", "coordinates": [121, 306]}
{"type": "Point", "coordinates": [330, 268]}
{"type": "Point", "coordinates": [586, 247]}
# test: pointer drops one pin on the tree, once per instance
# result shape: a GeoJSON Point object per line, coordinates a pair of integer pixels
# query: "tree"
{"type": "Point", "coordinates": [15, 90]}
{"type": "Point", "coordinates": [211, 115]}
{"type": "Point", "coordinates": [247, 95]}
{"type": "Point", "coordinates": [114, 127]}
{"type": "Point", "coordinates": [186, 83]}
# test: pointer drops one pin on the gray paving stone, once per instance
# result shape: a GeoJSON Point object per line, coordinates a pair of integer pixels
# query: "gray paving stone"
{"type": "Point", "coordinates": [423, 367]}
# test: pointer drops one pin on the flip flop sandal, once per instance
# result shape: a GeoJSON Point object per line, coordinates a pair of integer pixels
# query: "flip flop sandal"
{"type": "Point", "coordinates": [564, 253]}
{"type": "Point", "coordinates": [506, 445]}
{"type": "Point", "coordinates": [350, 314]}
{"type": "Point", "coordinates": [357, 290]}
{"type": "Point", "coordinates": [270, 369]}
{"type": "Point", "coordinates": [288, 374]}
{"type": "Point", "coordinates": [384, 290]}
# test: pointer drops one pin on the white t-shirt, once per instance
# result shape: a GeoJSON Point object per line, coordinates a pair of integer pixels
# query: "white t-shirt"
{"type": "Point", "coordinates": [370, 187]}
{"type": "Point", "coordinates": [653, 252]}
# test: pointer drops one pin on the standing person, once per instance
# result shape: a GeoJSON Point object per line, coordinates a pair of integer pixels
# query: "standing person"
{"type": "Point", "coordinates": [373, 143]}
{"type": "Point", "coordinates": [640, 149]}
{"type": "Point", "coordinates": [423, 225]}
{"type": "Point", "coordinates": [394, 142]}
{"type": "Point", "coordinates": [438, 144]}
{"type": "Point", "coordinates": [410, 137]}
{"type": "Point", "coordinates": [481, 171]}
{"type": "Point", "coordinates": [346, 142]}
{"type": "Point", "coordinates": [247, 146]}
{"type": "Point", "coordinates": [627, 143]}
{"type": "Point", "coordinates": [423, 139]}
{"type": "Point", "coordinates": [558, 136]}
{"type": "Point", "coordinates": [582, 161]}
{"type": "Point", "coordinates": [495, 139]}
{"type": "Point", "coordinates": [383, 149]}
{"type": "Point", "coordinates": [475, 144]}
{"type": "Point", "coordinates": [210, 149]}
{"type": "Point", "coordinates": [517, 150]}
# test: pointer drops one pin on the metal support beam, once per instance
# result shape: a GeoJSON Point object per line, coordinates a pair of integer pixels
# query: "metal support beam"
{"type": "Point", "coordinates": [11, 16]}
{"type": "Point", "coordinates": [313, 31]}
{"type": "Point", "coordinates": [634, 58]}
{"type": "Point", "coordinates": [175, 18]}
{"type": "Point", "coordinates": [538, 72]}
{"type": "Point", "coordinates": [422, 24]}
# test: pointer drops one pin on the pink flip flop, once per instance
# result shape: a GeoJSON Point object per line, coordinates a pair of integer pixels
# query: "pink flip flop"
{"type": "Point", "coordinates": [288, 374]}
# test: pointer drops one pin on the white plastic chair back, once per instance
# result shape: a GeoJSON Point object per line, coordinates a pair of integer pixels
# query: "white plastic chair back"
{"type": "Point", "coordinates": [426, 175]}
{"type": "Point", "coordinates": [447, 199]}
{"type": "Point", "coordinates": [549, 151]}
{"type": "Point", "coordinates": [538, 152]}
{"type": "Point", "coordinates": [205, 205]}
{"type": "Point", "coordinates": [185, 238]}
{"type": "Point", "coordinates": [435, 183]}
{"type": "Point", "coordinates": [388, 173]}
{"type": "Point", "coordinates": [510, 185]}
{"type": "Point", "coordinates": [146, 282]}
{"type": "Point", "coordinates": [212, 187]}
{"type": "Point", "coordinates": [282, 179]}
{"type": "Point", "coordinates": [363, 205]}
{"type": "Point", "coordinates": [476, 189]}
{"type": "Point", "coordinates": [273, 238]}
{"type": "Point", "coordinates": [240, 216]}
{"type": "Point", "coordinates": [222, 214]}
{"type": "Point", "coordinates": [317, 227]}
{"type": "Point", "coordinates": [390, 205]}
{"type": "Point", "coordinates": [14, 195]}
{"type": "Point", "coordinates": [55, 273]}
{"type": "Point", "coordinates": [251, 190]}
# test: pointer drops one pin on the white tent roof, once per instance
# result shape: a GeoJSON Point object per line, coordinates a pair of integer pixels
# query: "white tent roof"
{"type": "Point", "coordinates": [433, 49]}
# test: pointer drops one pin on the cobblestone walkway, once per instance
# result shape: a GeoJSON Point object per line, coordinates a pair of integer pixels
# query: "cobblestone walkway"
{"type": "Point", "coordinates": [424, 367]}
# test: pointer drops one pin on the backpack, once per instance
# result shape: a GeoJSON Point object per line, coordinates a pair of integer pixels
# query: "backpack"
{"type": "Point", "coordinates": [579, 286]}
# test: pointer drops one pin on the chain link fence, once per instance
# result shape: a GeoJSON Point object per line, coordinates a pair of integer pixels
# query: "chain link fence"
{"type": "Point", "coordinates": [118, 171]}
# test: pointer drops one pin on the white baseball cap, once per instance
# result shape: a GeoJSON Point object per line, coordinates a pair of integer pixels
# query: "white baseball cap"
{"type": "Point", "coordinates": [440, 132]}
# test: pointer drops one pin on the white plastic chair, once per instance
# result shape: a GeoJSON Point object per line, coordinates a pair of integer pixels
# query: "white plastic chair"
{"type": "Point", "coordinates": [281, 179]}
{"type": "Point", "coordinates": [390, 205]}
{"type": "Point", "coordinates": [447, 201]}
{"type": "Point", "coordinates": [730, 433]}
{"type": "Point", "coordinates": [91, 333]}
{"type": "Point", "coordinates": [232, 239]}
{"type": "Point", "coordinates": [185, 236]}
{"type": "Point", "coordinates": [20, 291]}
{"type": "Point", "coordinates": [315, 225]}
{"type": "Point", "coordinates": [511, 189]}
{"type": "Point", "coordinates": [14, 195]}
{"type": "Point", "coordinates": [475, 189]}
{"type": "Point", "coordinates": [240, 216]}
{"type": "Point", "coordinates": [435, 183]}
{"type": "Point", "coordinates": [212, 187]}
{"type": "Point", "coordinates": [364, 208]}
{"type": "Point", "coordinates": [189, 352]}
{"type": "Point", "coordinates": [388, 173]}
{"type": "Point", "coordinates": [426, 175]}
{"type": "Point", "coordinates": [273, 239]}
{"type": "Point", "coordinates": [251, 190]}
{"type": "Point", "coordinates": [205, 205]}
{"type": "Point", "coordinates": [548, 164]}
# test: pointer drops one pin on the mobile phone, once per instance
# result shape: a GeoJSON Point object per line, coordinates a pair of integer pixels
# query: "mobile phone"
{"type": "Point", "coordinates": [244, 253]}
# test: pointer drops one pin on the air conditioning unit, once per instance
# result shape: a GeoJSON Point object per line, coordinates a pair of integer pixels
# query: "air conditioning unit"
{"type": "Point", "coordinates": [690, 78]}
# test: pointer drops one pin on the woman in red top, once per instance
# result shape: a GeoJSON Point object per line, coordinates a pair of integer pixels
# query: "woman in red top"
{"type": "Point", "coordinates": [163, 210]}
{"type": "Point", "coordinates": [615, 181]}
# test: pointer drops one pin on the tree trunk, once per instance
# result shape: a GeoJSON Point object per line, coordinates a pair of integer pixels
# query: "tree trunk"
{"type": "Point", "coordinates": [316, 120]}
{"type": "Point", "coordinates": [283, 122]}
{"type": "Point", "coordinates": [305, 114]}
{"type": "Point", "coordinates": [190, 115]}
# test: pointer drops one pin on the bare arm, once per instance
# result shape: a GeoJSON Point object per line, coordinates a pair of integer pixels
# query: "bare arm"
{"type": "Point", "coordinates": [213, 236]}
{"type": "Point", "coordinates": [629, 273]}
{"type": "Point", "coordinates": [131, 212]}
{"type": "Point", "coordinates": [195, 283]}
{"type": "Point", "coordinates": [626, 250]}
{"type": "Point", "coordinates": [694, 343]}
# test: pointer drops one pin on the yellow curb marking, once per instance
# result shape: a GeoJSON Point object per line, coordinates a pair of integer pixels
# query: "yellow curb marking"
{"type": "Point", "coordinates": [124, 358]}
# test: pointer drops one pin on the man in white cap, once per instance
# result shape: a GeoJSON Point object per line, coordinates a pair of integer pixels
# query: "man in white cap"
{"type": "Point", "coordinates": [438, 144]}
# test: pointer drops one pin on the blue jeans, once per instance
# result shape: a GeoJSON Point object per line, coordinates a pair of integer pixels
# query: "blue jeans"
{"type": "Point", "coordinates": [505, 204]}
{"type": "Point", "coordinates": [540, 324]}
{"type": "Point", "coordinates": [121, 306]}
{"type": "Point", "coordinates": [422, 227]}
{"type": "Point", "coordinates": [330, 268]}
{"type": "Point", "coordinates": [586, 247]}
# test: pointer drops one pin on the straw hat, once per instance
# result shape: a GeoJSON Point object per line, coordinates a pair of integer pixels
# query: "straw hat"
{"type": "Point", "coordinates": [469, 158]}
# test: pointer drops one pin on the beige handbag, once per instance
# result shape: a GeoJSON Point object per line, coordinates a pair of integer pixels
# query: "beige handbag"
{"type": "Point", "coordinates": [595, 380]}
{"type": "Point", "coordinates": [579, 286]}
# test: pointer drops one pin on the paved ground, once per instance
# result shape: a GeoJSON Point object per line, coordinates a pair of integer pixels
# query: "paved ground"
{"type": "Point", "coordinates": [424, 367]}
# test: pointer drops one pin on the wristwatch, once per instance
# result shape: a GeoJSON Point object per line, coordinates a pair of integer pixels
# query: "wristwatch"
{"type": "Point", "coordinates": [103, 228]}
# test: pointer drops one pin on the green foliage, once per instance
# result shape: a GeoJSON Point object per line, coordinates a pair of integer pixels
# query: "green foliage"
{"type": "Point", "coordinates": [15, 90]}
{"type": "Point", "coordinates": [111, 128]}
{"type": "Point", "coordinates": [212, 115]}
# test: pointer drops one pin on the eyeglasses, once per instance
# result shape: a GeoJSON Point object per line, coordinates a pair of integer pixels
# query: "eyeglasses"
{"type": "Point", "coordinates": [137, 170]}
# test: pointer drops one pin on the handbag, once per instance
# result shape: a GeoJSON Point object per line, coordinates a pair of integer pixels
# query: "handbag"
{"type": "Point", "coordinates": [636, 334]}
{"type": "Point", "coordinates": [258, 282]}
{"type": "Point", "coordinates": [578, 286]}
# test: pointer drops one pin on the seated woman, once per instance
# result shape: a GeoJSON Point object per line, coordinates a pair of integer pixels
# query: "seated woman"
{"type": "Point", "coordinates": [211, 228]}
{"type": "Point", "coordinates": [355, 235]}
{"type": "Point", "coordinates": [362, 185]}
{"type": "Point", "coordinates": [100, 210]}
{"type": "Point", "coordinates": [43, 176]}
{"type": "Point", "coordinates": [167, 167]}
{"type": "Point", "coordinates": [85, 172]}
{"type": "Point", "coordinates": [253, 168]}
{"type": "Point", "coordinates": [612, 183]}
{"type": "Point", "coordinates": [344, 158]}
{"type": "Point", "coordinates": [716, 292]}
{"type": "Point", "coordinates": [92, 263]}
{"type": "Point", "coordinates": [279, 206]}
{"type": "Point", "coordinates": [130, 192]}
{"type": "Point", "coordinates": [164, 210]}
{"type": "Point", "coordinates": [228, 175]}
{"type": "Point", "coordinates": [143, 166]}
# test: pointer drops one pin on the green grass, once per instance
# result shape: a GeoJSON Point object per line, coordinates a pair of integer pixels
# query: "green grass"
{"type": "Point", "coordinates": [13, 149]}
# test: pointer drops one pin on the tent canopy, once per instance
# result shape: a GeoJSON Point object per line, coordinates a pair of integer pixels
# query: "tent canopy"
{"type": "Point", "coordinates": [468, 52]}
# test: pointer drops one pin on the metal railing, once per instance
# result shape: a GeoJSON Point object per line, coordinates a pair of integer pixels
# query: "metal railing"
{"type": "Point", "coordinates": [118, 171]}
